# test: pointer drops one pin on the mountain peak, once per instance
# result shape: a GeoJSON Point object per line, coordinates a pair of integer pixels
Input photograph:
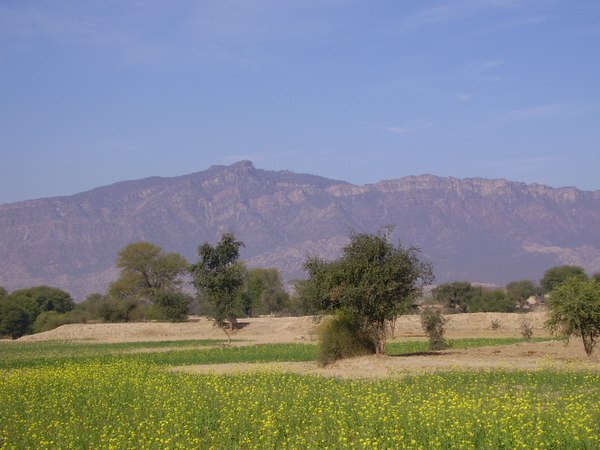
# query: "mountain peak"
{"type": "Point", "coordinates": [475, 229]}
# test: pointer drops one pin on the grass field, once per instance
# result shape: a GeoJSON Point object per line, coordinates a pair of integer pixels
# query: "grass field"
{"type": "Point", "coordinates": [59, 395]}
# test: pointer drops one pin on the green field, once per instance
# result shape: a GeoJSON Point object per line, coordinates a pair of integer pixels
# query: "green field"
{"type": "Point", "coordinates": [58, 395]}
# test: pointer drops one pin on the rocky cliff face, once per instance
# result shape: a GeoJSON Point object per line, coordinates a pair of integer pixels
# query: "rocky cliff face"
{"type": "Point", "coordinates": [473, 229]}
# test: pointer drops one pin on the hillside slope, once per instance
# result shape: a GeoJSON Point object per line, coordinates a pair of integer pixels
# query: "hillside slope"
{"type": "Point", "coordinates": [473, 229]}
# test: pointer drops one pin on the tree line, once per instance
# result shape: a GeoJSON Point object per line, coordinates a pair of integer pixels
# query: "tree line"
{"type": "Point", "coordinates": [153, 285]}
{"type": "Point", "coordinates": [463, 296]}
{"type": "Point", "coordinates": [365, 290]}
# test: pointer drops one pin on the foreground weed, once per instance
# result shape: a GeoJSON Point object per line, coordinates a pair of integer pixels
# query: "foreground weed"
{"type": "Point", "coordinates": [126, 404]}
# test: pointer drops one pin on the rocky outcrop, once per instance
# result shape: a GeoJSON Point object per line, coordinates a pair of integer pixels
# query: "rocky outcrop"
{"type": "Point", "coordinates": [472, 229]}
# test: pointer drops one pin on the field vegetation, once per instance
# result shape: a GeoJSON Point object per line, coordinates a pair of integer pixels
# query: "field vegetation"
{"type": "Point", "coordinates": [65, 395]}
{"type": "Point", "coordinates": [155, 395]}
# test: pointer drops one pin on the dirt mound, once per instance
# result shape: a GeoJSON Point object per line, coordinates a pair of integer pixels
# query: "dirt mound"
{"type": "Point", "coordinates": [257, 330]}
{"type": "Point", "coordinates": [285, 329]}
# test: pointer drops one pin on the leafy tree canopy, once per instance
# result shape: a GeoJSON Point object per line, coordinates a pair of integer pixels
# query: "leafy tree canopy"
{"type": "Point", "coordinates": [263, 292]}
{"type": "Point", "coordinates": [15, 320]}
{"type": "Point", "coordinates": [46, 298]}
{"type": "Point", "coordinates": [519, 291]}
{"type": "Point", "coordinates": [456, 296]}
{"type": "Point", "coordinates": [491, 301]}
{"type": "Point", "coordinates": [373, 279]}
{"type": "Point", "coordinates": [557, 275]}
{"type": "Point", "coordinates": [218, 278]}
{"type": "Point", "coordinates": [146, 270]}
{"type": "Point", "coordinates": [574, 309]}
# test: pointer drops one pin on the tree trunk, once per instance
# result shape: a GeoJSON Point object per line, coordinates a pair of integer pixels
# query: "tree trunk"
{"type": "Point", "coordinates": [380, 338]}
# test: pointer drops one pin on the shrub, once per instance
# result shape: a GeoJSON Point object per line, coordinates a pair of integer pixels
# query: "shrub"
{"type": "Point", "coordinates": [495, 324]}
{"type": "Point", "coordinates": [526, 329]}
{"type": "Point", "coordinates": [342, 336]}
{"type": "Point", "coordinates": [48, 320]}
{"type": "Point", "coordinates": [117, 310]}
{"type": "Point", "coordinates": [172, 306]}
{"type": "Point", "coordinates": [434, 324]}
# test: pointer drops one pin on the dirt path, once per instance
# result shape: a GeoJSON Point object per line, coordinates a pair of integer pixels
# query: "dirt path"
{"type": "Point", "coordinates": [530, 356]}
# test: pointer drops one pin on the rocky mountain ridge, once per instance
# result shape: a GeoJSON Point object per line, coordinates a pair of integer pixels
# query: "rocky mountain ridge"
{"type": "Point", "coordinates": [474, 229]}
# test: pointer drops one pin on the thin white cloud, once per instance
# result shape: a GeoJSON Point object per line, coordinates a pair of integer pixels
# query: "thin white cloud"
{"type": "Point", "coordinates": [408, 127]}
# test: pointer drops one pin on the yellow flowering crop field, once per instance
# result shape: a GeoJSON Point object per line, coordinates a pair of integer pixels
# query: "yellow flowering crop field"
{"type": "Point", "coordinates": [130, 403]}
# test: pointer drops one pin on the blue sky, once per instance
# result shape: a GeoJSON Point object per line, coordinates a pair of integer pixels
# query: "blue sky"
{"type": "Point", "coordinates": [93, 92]}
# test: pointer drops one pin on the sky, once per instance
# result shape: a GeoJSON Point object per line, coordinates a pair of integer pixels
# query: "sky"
{"type": "Point", "coordinates": [94, 92]}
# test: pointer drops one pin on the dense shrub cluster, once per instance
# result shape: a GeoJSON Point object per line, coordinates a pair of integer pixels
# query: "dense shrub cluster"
{"type": "Point", "coordinates": [343, 335]}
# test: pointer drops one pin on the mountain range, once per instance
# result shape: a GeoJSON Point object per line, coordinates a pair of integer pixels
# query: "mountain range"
{"type": "Point", "coordinates": [492, 231]}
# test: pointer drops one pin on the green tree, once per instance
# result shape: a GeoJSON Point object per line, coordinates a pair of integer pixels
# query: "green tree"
{"type": "Point", "coordinates": [373, 280]}
{"type": "Point", "coordinates": [302, 301]}
{"type": "Point", "coordinates": [455, 296]}
{"type": "Point", "coordinates": [596, 277]}
{"type": "Point", "coordinates": [173, 306]}
{"type": "Point", "coordinates": [218, 278]}
{"type": "Point", "coordinates": [574, 309]}
{"type": "Point", "coordinates": [559, 274]}
{"type": "Point", "coordinates": [15, 320]}
{"type": "Point", "coordinates": [263, 292]}
{"type": "Point", "coordinates": [3, 293]}
{"type": "Point", "coordinates": [146, 270]}
{"type": "Point", "coordinates": [27, 303]}
{"type": "Point", "coordinates": [519, 291]}
{"type": "Point", "coordinates": [47, 298]}
{"type": "Point", "coordinates": [494, 300]}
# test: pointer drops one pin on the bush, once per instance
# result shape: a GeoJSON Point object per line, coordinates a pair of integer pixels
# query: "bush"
{"type": "Point", "coordinates": [342, 336]}
{"type": "Point", "coordinates": [172, 306]}
{"type": "Point", "coordinates": [49, 320]}
{"type": "Point", "coordinates": [526, 329]}
{"type": "Point", "coordinates": [434, 324]}
{"type": "Point", "coordinates": [116, 310]}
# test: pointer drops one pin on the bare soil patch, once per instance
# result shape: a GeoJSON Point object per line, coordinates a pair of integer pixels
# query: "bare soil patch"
{"type": "Point", "coordinates": [526, 356]}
